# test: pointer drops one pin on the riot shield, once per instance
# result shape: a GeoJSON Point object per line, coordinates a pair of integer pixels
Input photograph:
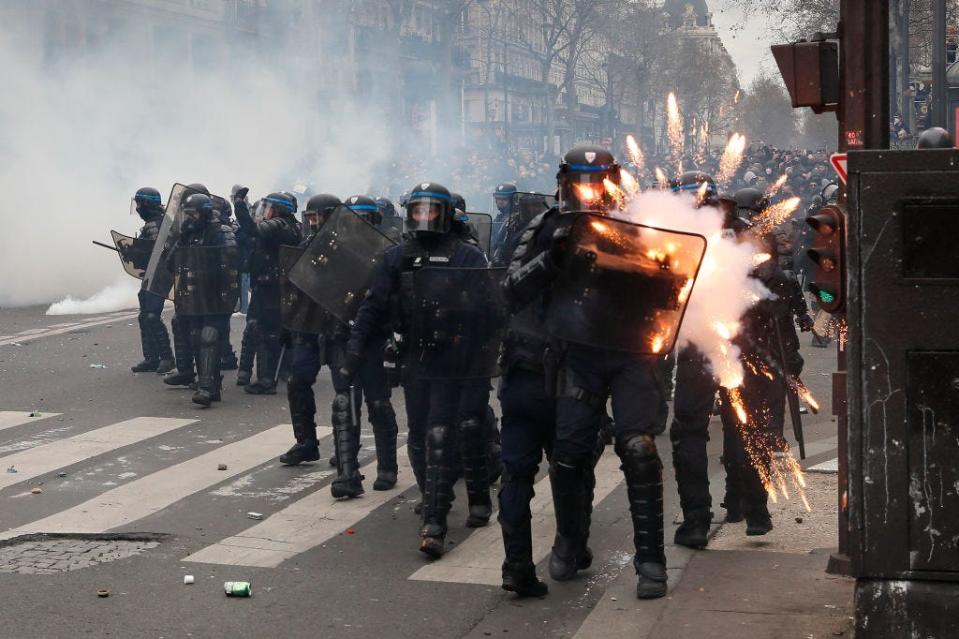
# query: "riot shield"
{"type": "Point", "coordinates": [298, 311]}
{"type": "Point", "coordinates": [392, 227]}
{"type": "Point", "coordinates": [623, 286]}
{"type": "Point", "coordinates": [206, 279]}
{"type": "Point", "coordinates": [337, 266]}
{"type": "Point", "coordinates": [457, 322]}
{"type": "Point", "coordinates": [134, 253]}
{"type": "Point", "coordinates": [523, 208]}
{"type": "Point", "coordinates": [481, 226]}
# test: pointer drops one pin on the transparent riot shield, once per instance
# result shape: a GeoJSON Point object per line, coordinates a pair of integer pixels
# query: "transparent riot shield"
{"type": "Point", "coordinates": [481, 227]}
{"type": "Point", "coordinates": [337, 266]}
{"type": "Point", "coordinates": [523, 208]}
{"type": "Point", "coordinates": [134, 253]}
{"type": "Point", "coordinates": [298, 311]}
{"type": "Point", "coordinates": [457, 322]}
{"type": "Point", "coordinates": [206, 279]}
{"type": "Point", "coordinates": [623, 286]}
{"type": "Point", "coordinates": [392, 227]}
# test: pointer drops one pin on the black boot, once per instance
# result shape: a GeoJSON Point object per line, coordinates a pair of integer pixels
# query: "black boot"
{"type": "Point", "coordinates": [147, 343]}
{"type": "Point", "coordinates": [348, 482]}
{"type": "Point", "coordinates": [184, 374]}
{"type": "Point", "coordinates": [519, 571]}
{"type": "Point", "coordinates": [302, 414]}
{"type": "Point", "coordinates": [208, 367]}
{"type": "Point", "coordinates": [570, 490]}
{"type": "Point", "coordinates": [161, 341]}
{"type": "Point", "coordinates": [267, 358]}
{"type": "Point", "coordinates": [644, 486]}
{"type": "Point", "coordinates": [694, 531]}
{"type": "Point", "coordinates": [475, 455]}
{"type": "Point", "coordinates": [437, 491]}
{"type": "Point", "coordinates": [758, 520]}
{"type": "Point", "coordinates": [385, 431]}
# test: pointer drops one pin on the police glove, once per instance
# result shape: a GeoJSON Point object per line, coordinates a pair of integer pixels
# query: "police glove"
{"type": "Point", "coordinates": [559, 245]}
{"type": "Point", "coordinates": [240, 194]}
{"type": "Point", "coordinates": [348, 367]}
{"type": "Point", "coordinates": [805, 323]}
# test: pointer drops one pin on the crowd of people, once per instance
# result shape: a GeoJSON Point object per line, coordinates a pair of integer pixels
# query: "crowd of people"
{"type": "Point", "coordinates": [340, 283]}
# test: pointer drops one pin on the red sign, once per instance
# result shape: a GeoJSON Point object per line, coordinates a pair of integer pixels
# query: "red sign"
{"type": "Point", "coordinates": [838, 161]}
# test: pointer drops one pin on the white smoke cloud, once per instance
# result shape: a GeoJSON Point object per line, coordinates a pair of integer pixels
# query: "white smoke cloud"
{"type": "Point", "coordinates": [79, 136]}
{"type": "Point", "coordinates": [118, 296]}
{"type": "Point", "coordinates": [724, 289]}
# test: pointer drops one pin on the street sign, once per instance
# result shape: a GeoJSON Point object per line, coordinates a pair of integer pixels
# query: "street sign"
{"type": "Point", "coordinates": [838, 161]}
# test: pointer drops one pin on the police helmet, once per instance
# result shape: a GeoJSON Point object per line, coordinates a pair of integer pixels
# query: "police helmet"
{"type": "Point", "coordinates": [429, 208]}
{"type": "Point", "coordinates": [935, 138]}
{"type": "Point", "coordinates": [581, 176]}
{"type": "Point", "coordinates": [365, 207]}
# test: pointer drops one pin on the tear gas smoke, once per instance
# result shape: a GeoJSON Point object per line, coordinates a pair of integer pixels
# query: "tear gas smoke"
{"type": "Point", "coordinates": [117, 296]}
{"type": "Point", "coordinates": [78, 136]}
{"type": "Point", "coordinates": [723, 290]}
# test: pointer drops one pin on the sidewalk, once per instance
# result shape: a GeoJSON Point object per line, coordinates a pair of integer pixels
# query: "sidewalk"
{"type": "Point", "coordinates": [771, 587]}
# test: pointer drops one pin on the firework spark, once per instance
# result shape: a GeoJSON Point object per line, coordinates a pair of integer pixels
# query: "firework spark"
{"type": "Point", "coordinates": [616, 193]}
{"type": "Point", "coordinates": [629, 183]}
{"type": "Point", "coordinates": [674, 129]}
{"type": "Point", "coordinates": [732, 157]}
{"type": "Point", "coordinates": [774, 215]}
{"type": "Point", "coordinates": [636, 155]}
{"type": "Point", "coordinates": [778, 184]}
{"type": "Point", "coordinates": [662, 179]}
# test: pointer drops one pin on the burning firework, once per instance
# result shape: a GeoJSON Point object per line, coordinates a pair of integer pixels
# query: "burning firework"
{"type": "Point", "coordinates": [732, 157]}
{"type": "Point", "coordinates": [774, 215]}
{"type": "Point", "coordinates": [778, 184]}
{"type": "Point", "coordinates": [662, 179]}
{"type": "Point", "coordinates": [629, 183]}
{"type": "Point", "coordinates": [636, 155]}
{"type": "Point", "coordinates": [674, 129]}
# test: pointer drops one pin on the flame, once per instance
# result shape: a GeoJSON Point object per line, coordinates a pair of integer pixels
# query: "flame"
{"type": "Point", "coordinates": [807, 396]}
{"type": "Point", "coordinates": [761, 258]}
{"type": "Point", "coordinates": [599, 226]}
{"type": "Point", "coordinates": [778, 184]}
{"type": "Point", "coordinates": [684, 292]}
{"type": "Point", "coordinates": [629, 183]}
{"type": "Point", "coordinates": [736, 400]}
{"type": "Point", "coordinates": [657, 344]}
{"type": "Point", "coordinates": [587, 193]}
{"type": "Point", "coordinates": [635, 154]}
{"type": "Point", "coordinates": [701, 192]}
{"type": "Point", "coordinates": [726, 331]}
{"type": "Point", "coordinates": [774, 215]}
{"type": "Point", "coordinates": [616, 193]}
{"type": "Point", "coordinates": [674, 128]}
{"type": "Point", "coordinates": [662, 179]}
{"type": "Point", "coordinates": [732, 157]}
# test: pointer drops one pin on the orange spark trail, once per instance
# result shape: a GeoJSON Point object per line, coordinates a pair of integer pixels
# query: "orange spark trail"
{"type": "Point", "coordinates": [636, 155]}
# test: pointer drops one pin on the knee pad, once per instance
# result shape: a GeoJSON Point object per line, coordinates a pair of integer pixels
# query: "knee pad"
{"type": "Point", "coordinates": [518, 475]}
{"type": "Point", "coordinates": [209, 336]}
{"type": "Point", "coordinates": [636, 446]}
{"type": "Point", "coordinates": [341, 409]}
{"type": "Point", "coordinates": [151, 318]}
{"type": "Point", "coordinates": [381, 409]}
{"type": "Point", "coordinates": [436, 439]}
{"type": "Point", "coordinates": [471, 429]}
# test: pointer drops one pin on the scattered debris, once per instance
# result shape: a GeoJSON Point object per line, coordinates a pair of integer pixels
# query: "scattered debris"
{"type": "Point", "coordinates": [798, 520]}
{"type": "Point", "coordinates": [187, 579]}
{"type": "Point", "coordinates": [350, 531]}
{"type": "Point", "coordinates": [61, 474]}
{"type": "Point", "coordinates": [34, 413]}
{"type": "Point", "coordinates": [238, 589]}
{"type": "Point", "coordinates": [103, 592]}
{"type": "Point", "coordinates": [12, 470]}
{"type": "Point", "coordinates": [36, 491]}
{"type": "Point", "coordinates": [221, 467]}
{"type": "Point", "coordinates": [98, 365]}
{"type": "Point", "coordinates": [256, 516]}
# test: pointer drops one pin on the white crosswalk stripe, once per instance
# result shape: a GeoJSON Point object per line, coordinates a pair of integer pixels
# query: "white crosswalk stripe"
{"type": "Point", "coordinates": [42, 459]}
{"type": "Point", "coordinates": [156, 491]}
{"type": "Point", "coordinates": [11, 418]}
{"type": "Point", "coordinates": [479, 558]}
{"type": "Point", "coordinates": [303, 525]}
{"type": "Point", "coordinates": [32, 334]}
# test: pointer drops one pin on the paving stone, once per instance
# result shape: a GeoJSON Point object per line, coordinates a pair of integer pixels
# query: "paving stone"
{"type": "Point", "coordinates": [61, 555]}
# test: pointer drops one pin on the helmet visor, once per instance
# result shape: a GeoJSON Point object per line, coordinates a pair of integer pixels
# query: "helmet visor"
{"type": "Point", "coordinates": [427, 214]}
{"type": "Point", "coordinates": [586, 192]}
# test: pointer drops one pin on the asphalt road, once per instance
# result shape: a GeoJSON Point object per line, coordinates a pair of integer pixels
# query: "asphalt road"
{"type": "Point", "coordinates": [116, 452]}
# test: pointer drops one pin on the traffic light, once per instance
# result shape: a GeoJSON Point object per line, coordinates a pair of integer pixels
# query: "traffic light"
{"type": "Point", "coordinates": [828, 252]}
{"type": "Point", "coordinates": [810, 71]}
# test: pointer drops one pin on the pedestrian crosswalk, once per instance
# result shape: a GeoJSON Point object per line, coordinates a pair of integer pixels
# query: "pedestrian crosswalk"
{"type": "Point", "coordinates": [309, 521]}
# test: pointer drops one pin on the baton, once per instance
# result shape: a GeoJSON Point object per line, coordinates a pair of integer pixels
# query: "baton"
{"type": "Point", "coordinates": [792, 395]}
{"type": "Point", "coordinates": [106, 246]}
{"type": "Point", "coordinates": [279, 365]}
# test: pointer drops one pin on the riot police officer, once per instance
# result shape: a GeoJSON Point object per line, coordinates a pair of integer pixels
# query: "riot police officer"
{"type": "Point", "coordinates": [502, 197]}
{"type": "Point", "coordinates": [308, 353]}
{"type": "Point", "coordinates": [275, 226]}
{"type": "Point", "coordinates": [205, 264]}
{"type": "Point", "coordinates": [587, 377]}
{"type": "Point", "coordinates": [438, 406]}
{"type": "Point", "coordinates": [155, 341]}
{"type": "Point", "coordinates": [228, 361]}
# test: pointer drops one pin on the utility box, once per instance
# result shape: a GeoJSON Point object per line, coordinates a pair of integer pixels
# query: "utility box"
{"type": "Point", "coordinates": [903, 391]}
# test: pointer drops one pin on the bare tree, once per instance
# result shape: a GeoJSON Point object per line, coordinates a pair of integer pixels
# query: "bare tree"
{"type": "Point", "coordinates": [767, 114]}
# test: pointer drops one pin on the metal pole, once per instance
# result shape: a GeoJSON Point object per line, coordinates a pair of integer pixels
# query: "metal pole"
{"type": "Point", "coordinates": [939, 88]}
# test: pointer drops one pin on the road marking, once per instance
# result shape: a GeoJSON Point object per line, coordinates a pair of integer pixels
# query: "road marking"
{"type": "Point", "coordinates": [152, 493]}
{"type": "Point", "coordinates": [479, 558]}
{"type": "Point", "coordinates": [20, 339]}
{"type": "Point", "coordinates": [302, 525]}
{"type": "Point", "coordinates": [830, 467]}
{"type": "Point", "coordinates": [11, 418]}
{"type": "Point", "coordinates": [66, 452]}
